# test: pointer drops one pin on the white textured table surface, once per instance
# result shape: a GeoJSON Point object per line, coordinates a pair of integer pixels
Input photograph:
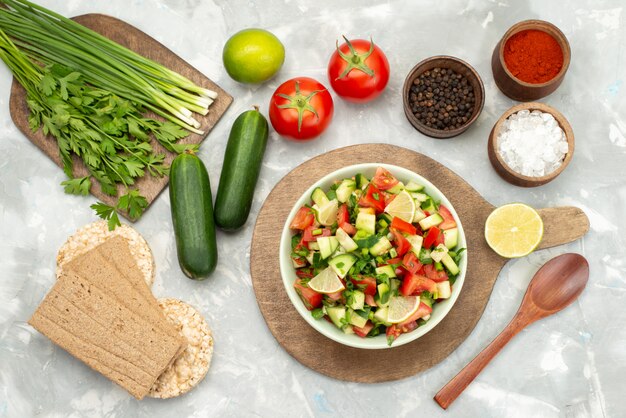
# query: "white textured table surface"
{"type": "Point", "coordinates": [572, 364]}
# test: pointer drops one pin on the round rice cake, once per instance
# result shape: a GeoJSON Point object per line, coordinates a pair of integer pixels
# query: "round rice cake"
{"type": "Point", "coordinates": [192, 365]}
{"type": "Point", "coordinates": [94, 234]}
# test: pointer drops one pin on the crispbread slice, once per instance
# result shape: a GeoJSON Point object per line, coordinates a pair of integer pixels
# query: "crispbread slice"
{"type": "Point", "coordinates": [192, 365]}
{"type": "Point", "coordinates": [93, 234]}
{"type": "Point", "coordinates": [92, 324]}
{"type": "Point", "coordinates": [96, 268]}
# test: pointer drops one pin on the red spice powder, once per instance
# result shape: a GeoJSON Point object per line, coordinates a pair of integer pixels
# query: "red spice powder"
{"type": "Point", "coordinates": [533, 56]}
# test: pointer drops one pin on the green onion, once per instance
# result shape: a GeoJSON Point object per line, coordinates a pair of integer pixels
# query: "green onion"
{"type": "Point", "coordinates": [49, 38]}
{"type": "Point", "coordinates": [316, 232]}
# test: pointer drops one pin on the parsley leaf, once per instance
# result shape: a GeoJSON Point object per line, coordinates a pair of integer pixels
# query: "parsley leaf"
{"type": "Point", "coordinates": [77, 186]}
{"type": "Point", "coordinates": [108, 213]}
{"type": "Point", "coordinates": [133, 203]}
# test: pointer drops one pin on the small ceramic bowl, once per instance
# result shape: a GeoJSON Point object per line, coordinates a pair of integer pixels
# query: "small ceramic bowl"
{"type": "Point", "coordinates": [520, 90]}
{"type": "Point", "coordinates": [457, 65]}
{"type": "Point", "coordinates": [505, 171]}
{"type": "Point", "coordinates": [288, 274]}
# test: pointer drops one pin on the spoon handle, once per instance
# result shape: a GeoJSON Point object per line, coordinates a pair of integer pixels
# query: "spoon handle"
{"type": "Point", "coordinates": [457, 385]}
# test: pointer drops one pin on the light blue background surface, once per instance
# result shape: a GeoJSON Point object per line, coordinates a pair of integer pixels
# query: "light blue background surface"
{"type": "Point", "coordinates": [572, 364]}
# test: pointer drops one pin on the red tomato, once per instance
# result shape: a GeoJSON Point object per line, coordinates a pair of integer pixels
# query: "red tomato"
{"type": "Point", "coordinates": [366, 284]}
{"type": "Point", "coordinates": [414, 284]}
{"type": "Point", "coordinates": [305, 273]}
{"type": "Point", "coordinates": [441, 239]}
{"type": "Point", "coordinates": [335, 296]}
{"type": "Point", "coordinates": [383, 179]}
{"type": "Point", "coordinates": [301, 108]}
{"type": "Point", "coordinates": [411, 263]}
{"type": "Point", "coordinates": [402, 244]}
{"type": "Point", "coordinates": [393, 332]}
{"type": "Point", "coordinates": [310, 297]}
{"type": "Point", "coordinates": [421, 312]}
{"type": "Point", "coordinates": [403, 226]}
{"type": "Point", "coordinates": [303, 219]}
{"type": "Point", "coordinates": [396, 260]}
{"type": "Point", "coordinates": [433, 274]}
{"type": "Point", "coordinates": [448, 219]}
{"type": "Point", "coordinates": [369, 299]}
{"type": "Point", "coordinates": [431, 237]}
{"type": "Point", "coordinates": [373, 198]}
{"type": "Point", "coordinates": [362, 332]}
{"type": "Point", "coordinates": [308, 234]}
{"type": "Point", "coordinates": [358, 70]}
{"type": "Point", "coordinates": [343, 220]}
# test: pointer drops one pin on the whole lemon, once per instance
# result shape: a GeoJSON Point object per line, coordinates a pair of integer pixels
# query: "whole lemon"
{"type": "Point", "coordinates": [253, 55]}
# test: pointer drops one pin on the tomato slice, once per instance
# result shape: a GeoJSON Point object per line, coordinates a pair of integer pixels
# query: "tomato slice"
{"type": "Point", "coordinates": [411, 263]}
{"type": "Point", "coordinates": [303, 219]}
{"type": "Point", "coordinates": [396, 260]}
{"type": "Point", "coordinates": [403, 226]}
{"type": "Point", "coordinates": [362, 332]}
{"type": "Point", "coordinates": [373, 198]}
{"type": "Point", "coordinates": [435, 275]}
{"type": "Point", "coordinates": [431, 236]}
{"type": "Point", "coordinates": [441, 239]}
{"type": "Point", "coordinates": [369, 299]}
{"type": "Point", "coordinates": [421, 312]}
{"type": "Point", "coordinates": [414, 284]}
{"type": "Point", "coordinates": [348, 228]}
{"type": "Point", "coordinates": [310, 297]}
{"type": "Point", "coordinates": [343, 215]}
{"type": "Point", "coordinates": [305, 273]}
{"type": "Point", "coordinates": [392, 333]}
{"type": "Point", "coordinates": [448, 219]}
{"type": "Point", "coordinates": [402, 244]}
{"type": "Point", "coordinates": [383, 179]}
{"type": "Point", "coordinates": [366, 284]}
{"type": "Point", "coordinates": [308, 234]}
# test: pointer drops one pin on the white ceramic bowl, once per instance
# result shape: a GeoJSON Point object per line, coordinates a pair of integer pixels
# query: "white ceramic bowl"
{"type": "Point", "coordinates": [288, 274]}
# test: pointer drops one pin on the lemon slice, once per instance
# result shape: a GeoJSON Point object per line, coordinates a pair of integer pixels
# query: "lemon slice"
{"type": "Point", "coordinates": [401, 308]}
{"type": "Point", "coordinates": [327, 214]}
{"type": "Point", "coordinates": [514, 230]}
{"type": "Point", "coordinates": [326, 282]}
{"type": "Point", "coordinates": [402, 206]}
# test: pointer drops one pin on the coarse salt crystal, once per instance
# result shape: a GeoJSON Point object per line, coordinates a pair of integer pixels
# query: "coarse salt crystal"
{"type": "Point", "coordinates": [532, 143]}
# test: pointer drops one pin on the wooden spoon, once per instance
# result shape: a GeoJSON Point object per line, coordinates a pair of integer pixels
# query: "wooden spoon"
{"type": "Point", "coordinates": [556, 285]}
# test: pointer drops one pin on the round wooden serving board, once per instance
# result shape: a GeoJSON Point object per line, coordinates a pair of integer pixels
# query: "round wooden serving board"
{"type": "Point", "coordinates": [134, 39]}
{"type": "Point", "coordinates": [309, 347]}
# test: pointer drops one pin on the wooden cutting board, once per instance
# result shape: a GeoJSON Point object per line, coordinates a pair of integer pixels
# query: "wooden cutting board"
{"type": "Point", "coordinates": [134, 39]}
{"type": "Point", "coordinates": [309, 347]}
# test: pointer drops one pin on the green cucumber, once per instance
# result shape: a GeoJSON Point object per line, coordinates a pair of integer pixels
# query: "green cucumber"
{"type": "Point", "coordinates": [345, 189]}
{"type": "Point", "coordinates": [240, 172]}
{"type": "Point", "coordinates": [192, 216]}
{"type": "Point", "coordinates": [319, 197]}
{"type": "Point", "coordinates": [433, 220]}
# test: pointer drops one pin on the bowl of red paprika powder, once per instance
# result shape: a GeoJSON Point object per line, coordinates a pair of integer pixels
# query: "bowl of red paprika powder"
{"type": "Point", "coordinates": [531, 60]}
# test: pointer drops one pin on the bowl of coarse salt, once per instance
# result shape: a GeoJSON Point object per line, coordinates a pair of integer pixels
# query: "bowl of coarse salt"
{"type": "Point", "coordinates": [531, 144]}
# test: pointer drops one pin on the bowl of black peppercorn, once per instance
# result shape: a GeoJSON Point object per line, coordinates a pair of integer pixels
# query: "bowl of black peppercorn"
{"type": "Point", "coordinates": [443, 96]}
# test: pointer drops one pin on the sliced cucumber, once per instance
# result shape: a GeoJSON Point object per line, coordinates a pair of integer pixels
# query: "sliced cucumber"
{"type": "Point", "coordinates": [319, 197]}
{"type": "Point", "coordinates": [429, 205]}
{"type": "Point", "coordinates": [416, 243]}
{"type": "Point", "coordinates": [381, 315]}
{"type": "Point", "coordinates": [433, 220]}
{"type": "Point", "coordinates": [444, 290]}
{"type": "Point", "coordinates": [438, 252]}
{"type": "Point", "coordinates": [384, 292]}
{"type": "Point", "coordinates": [313, 245]}
{"type": "Point", "coordinates": [411, 186]}
{"type": "Point", "coordinates": [418, 215]}
{"type": "Point", "coordinates": [358, 300]}
{"type": "Point", "coordinates": [367, 210]}
{"type": "Point", "coordinates": [451, 237]}
{"type": "Point", "coordinates": [356, 319]}
{"type": "Point", "coordinates": [450, 264]}
{"type": "Point", "coordinates": [336, 314]}
{"type": "Point", "coordinates": [388, 270]}
{"type": "Point", "coordinates": [345, 240]}
{"type": "Point", "coordinates": [395, 285]}
{"type": "Point", "coordinates": [397, 188]}
{"type": "Point", "coordinates": [361, 181]}
{"type": "Point", "coordinates": [420, 197]}
{"type": "Point", "coordinates": [342, 264]}
{"type": "Point", "coordinates": [328, 245]}
{"type": "Point", "coordinates": [366, 222]}
{"type": "Point", "coordinates": [345, 189]}
{"type": "Point", "coordinates": [381, 247]}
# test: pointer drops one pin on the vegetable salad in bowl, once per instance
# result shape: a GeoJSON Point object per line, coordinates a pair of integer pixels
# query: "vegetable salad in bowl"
{"type": "Point", "coordinates": [373, 255]}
